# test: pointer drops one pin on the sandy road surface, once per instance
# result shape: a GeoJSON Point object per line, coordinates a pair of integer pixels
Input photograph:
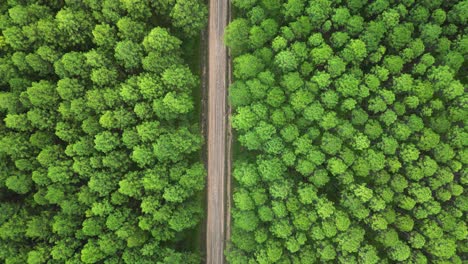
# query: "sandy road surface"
{"type": "Point", "coordinates": [217, 119]}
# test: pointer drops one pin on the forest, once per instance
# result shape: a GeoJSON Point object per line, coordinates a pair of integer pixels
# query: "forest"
{"type": "Point", "coordinates": [350, 118]}
{"type": "Point", "coordinates": [99, 136]}
{"type": "Point", "coordinates": [349, 121]}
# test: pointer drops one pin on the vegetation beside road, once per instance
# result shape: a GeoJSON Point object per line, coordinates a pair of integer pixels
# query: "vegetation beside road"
{"type": "Point", "coordinates": [99, 135]}
{"type": "Point", "coordinates": [351, 116]}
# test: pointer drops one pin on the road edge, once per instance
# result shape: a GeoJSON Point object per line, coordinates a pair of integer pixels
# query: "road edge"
{"type": "Point", "coordinates": [229, 141]}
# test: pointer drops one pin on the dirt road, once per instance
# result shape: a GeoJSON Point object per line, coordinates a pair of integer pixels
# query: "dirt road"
{"type": "Point", "coordinates": [217, 119]}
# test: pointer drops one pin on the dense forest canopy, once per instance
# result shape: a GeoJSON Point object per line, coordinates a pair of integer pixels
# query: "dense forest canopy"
{"type": "Point", "coordinates": [351, 116]}
{"type": "Point", "coordinates": [99, 140]}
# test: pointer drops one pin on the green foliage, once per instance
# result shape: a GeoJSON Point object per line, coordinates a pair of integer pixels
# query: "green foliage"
{"type": "Point", "coordinates": [128, 53]}
{"type": "Point", "coordinates": [356, 138]}
{"type": "Point", "coordinates": [236, 36]}
{"type": "Point", "coordinates": [99, 147]}
{"type": "Point", "coordinates": [286, 61]}
{"type": "Point", "coordinates": [189, 15]}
